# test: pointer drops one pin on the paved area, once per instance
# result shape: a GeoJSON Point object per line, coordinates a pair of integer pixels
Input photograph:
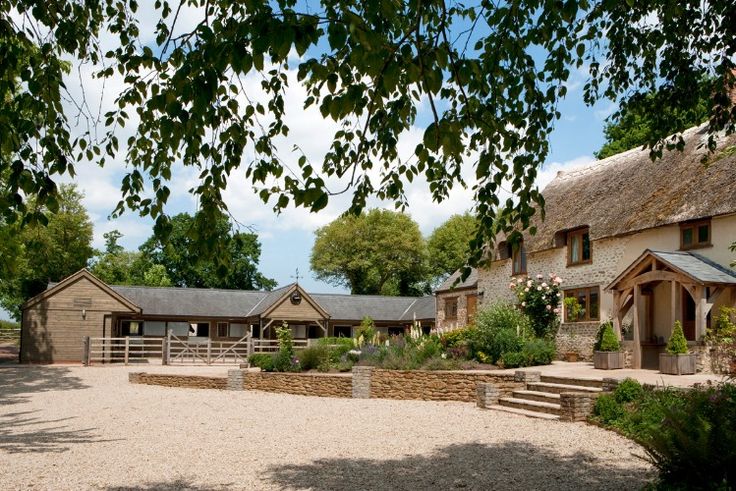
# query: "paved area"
{"type": "Point", "coordinates": [585, 370]}
{"type": "Point", "coordinates": [87, 428]}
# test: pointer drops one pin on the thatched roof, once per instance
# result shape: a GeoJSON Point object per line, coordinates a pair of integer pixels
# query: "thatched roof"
{"type": "Point", "coordinates": [629, 192]}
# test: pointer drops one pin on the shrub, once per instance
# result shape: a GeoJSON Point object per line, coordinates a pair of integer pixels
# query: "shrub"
{"type": "Point", "coordinates": [457, 337]}
{"type": "Point", "coordinates": [607, 409]}
{"type": "Point", "coordinates": [314, 357]}
{"type": "Point", "coordinates": [608, 339]}
{"type": "Point", "coordinates": [500, 328]}
{"type": "Point", "coordinates": [264, 361]}
{"type": "Point", "coordinates": [285, 361]}
{"type": "Point", "coordinates": [534, 352]}
{"type": "Point", "coordinates": [722, 338]}
{"type": "Point", "coordinates": [695, 445]}
{"type": "Point", "coordinates": [677, 345]}
{"type": "Point", "coordinates": [540, 301]}
{"type": "Point", "coordinates": [628, 390]}
{"type": "Point", "coordinates": [367, 331]}
{"type": "Point", "coordinates": [513, 360]}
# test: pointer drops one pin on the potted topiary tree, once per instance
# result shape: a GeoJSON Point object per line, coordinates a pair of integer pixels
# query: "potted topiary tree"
{"type": "Point", "coordinates": [607, 354]}
{"type": "Point", "coordinates": [677, 360]}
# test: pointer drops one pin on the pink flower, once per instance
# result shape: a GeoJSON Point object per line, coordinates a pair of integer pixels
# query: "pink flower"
{"type": "Point", "coordinates": [519, 280]}
{"type": "Point", "coordinates": [539, 276]}
{"type": "Point", "coordinates": [556, 311]}
{"type": "Point", "coordinates": [549, 307]}
{"type": "Point", "coordinates": [545, 285]}
{"type": "Point", "coordinates": [539, 288]}
{"type": "Point", "coordinates": [523, 304]}
{"type": "Point", "coordinates": [526, 290]}
{"type": "Point", "coordinates": [551, 276]}
{"type": "Point", "coordinates": [512, 286]}
{"type": "Point", "coordinates": [529, 283]}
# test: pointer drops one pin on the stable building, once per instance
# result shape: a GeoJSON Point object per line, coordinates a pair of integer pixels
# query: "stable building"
{"type": "Point", "coordinates": [55, 322]}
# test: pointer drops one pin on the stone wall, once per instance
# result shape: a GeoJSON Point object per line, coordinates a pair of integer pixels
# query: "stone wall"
{"type": "Point", "coordinates": [303, 384]}
{"type": "Point", "coordinates": [462, 308]}
{"type": "Point", "coordinates": [184, 381]}
{"type": "Point", "coordinates": [578, 337]}
{"type": "Point", "coordinates": [576, 406]}
{"type": "Point", "coordinates": [437, 385]}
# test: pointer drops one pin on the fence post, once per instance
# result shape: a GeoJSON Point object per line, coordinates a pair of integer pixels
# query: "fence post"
{"type": "Point", "coordinates": [209, 350]}
{"type": "Point", "coordinates": [85, 351]}
{"type": "Point", "coordinates": [168, 346]}
{"type": "Point", "coordinates": [249, 351]}
{"type": "Point", "coordinates": [127, 347]}
{"type": "Point", "coordinates": [163, 351]}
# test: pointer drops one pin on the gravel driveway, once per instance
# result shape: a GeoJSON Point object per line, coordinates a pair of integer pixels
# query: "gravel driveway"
{"type": "Point", "coordinates": [87, 428]}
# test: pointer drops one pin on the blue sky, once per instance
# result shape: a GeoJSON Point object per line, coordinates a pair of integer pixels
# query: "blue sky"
{"type": "Point", "coordinates": [287, 239]}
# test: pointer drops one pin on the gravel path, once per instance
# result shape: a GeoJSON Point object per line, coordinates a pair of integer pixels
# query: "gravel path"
{"type": "Point", "coordinates": [87, 428]}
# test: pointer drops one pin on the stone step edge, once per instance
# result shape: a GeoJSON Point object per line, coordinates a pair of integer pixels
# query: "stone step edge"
{"type": "Point", "coordinates": [586, 382]}
{"type": "Point", "coordinates": [570, 388]}
{"type": "Point", "coordinates": [524, 412]}
{"type": "Point", "coordinates": [536, 393]}
{"type": "Point", "coordinates": [527, 402]}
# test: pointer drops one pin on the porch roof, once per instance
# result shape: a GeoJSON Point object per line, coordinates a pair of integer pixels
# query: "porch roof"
{"type": "Point", "coordinates": [699, 269]}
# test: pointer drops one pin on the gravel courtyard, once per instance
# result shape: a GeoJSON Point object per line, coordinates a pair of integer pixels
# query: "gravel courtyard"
{"type": "Point", "coordinates": [88, 428]}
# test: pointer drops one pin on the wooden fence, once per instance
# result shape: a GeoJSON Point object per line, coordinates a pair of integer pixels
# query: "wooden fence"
{"type": "Point", "coordinates": [173, 349]}
{"type": "Point", "coordinates": [9, 335]}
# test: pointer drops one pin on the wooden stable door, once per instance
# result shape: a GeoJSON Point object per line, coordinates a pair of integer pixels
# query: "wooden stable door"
{"type": "Point", "coordinates": [472, 307]}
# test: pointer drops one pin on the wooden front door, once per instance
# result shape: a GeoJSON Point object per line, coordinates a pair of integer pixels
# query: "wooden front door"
{"type": "Point", "coordinates": [688, 315]}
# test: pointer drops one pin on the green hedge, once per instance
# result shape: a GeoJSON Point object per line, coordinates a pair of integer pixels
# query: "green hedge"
{"type": "Point", "coordinates": [9, 325]}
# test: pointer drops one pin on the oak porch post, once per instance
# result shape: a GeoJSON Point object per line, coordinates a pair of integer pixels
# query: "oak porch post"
{"type": "Point", "coordinates": [701, 311]}
{"type": "Point", "coordinates": [636, 362]}
{"type": "Point", "coordinates": [617, 313]}
{"type": "Point", "coordinates": [673, 303]}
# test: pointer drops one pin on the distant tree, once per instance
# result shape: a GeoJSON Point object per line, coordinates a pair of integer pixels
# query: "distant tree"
{"type": "Point", "coordinates": [156, 276]}
{"type": "Point", "coordinates": [449, 245]}
{"type": "Point", "coordinates": [237, 262]}
{"type": "Point", "coordinates": [47, 252]}
{"type": "Point", "coordinates": [378, 252]}
{"type": "Point", "coordinates": [653, 116]}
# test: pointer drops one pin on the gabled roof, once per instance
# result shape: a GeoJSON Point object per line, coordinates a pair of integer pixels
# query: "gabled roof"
{"type": "Point", "coordinates": [193, 302]}
{"type": "Point", "coordinates": [274, 301]}
{"type": "Point", "coordinates": [70, 280]}
{"type": "Point", "coordinates": [470, 282]}
{"type": "Point", "coordinates": [629, 192]}
{"type": "Point", "coordinates": [699, 269]}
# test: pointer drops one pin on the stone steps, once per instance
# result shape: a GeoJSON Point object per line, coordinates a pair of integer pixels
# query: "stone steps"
{"type": "Point", "coordinates": [532, 395]}
{"type": "Point", "coordinates": [524, 412]}
{"type": "Point", "coordinates": [557, 388]}
{"type": "Point", "coordinates": [580, 382]}
{"type": "Point", "coordinates": [536, 406]}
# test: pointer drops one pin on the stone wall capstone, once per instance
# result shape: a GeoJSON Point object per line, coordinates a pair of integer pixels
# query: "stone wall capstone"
{"type": "Point", "coordinates": [576, 406]}
{"type": "Point", "coordinates": [362, 382]}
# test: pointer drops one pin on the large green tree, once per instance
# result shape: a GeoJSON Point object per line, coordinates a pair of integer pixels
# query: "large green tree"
{"type": "Point", "coordinates": [491, 73]}
{"type": "Point", "coordinates": [46, 252]}
{"type": "Point", "coordinates": [380, 252]}
{"type": "Point", "coordinates": [116, 266]}
{"type": "Point", "coordinates": [449, 245]}
{"type": "Point", "coordinates": [185, 265]}
{"type": "Point", "coordinates": [651, 117]}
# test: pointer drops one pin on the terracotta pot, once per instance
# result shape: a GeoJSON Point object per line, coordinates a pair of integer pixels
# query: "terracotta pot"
{"type": "Point", "coordinates": [571, 357]}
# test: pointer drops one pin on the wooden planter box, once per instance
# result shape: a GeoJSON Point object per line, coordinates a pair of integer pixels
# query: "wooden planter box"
{"type": "Point", "coordinates": [608, 360]}
{"type": "Point", "coordinates": [677, 364]}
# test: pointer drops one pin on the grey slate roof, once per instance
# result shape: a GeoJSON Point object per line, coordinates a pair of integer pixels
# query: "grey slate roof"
{"type": "Point", "coordinates": [210, 302]}
{"type": "Point", "coordinates": [204, 302]}
{"type": "Point", "coordinates": [379, 308]}
{"type": "Point", "coordinates": [698, 267]}
{"type": "Point", "coordinates": [470, 281]}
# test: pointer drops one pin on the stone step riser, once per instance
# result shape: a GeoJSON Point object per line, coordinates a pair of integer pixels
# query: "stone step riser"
{"type": "Point", "coordinates": [572, 381]}
{"type": "Point", "coordinates": [529, 407]}
{"type": "Point", "coordinates": [537, 396]}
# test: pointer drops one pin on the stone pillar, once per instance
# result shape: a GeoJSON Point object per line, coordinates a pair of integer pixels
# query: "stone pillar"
{"type": "Point", "coordinates": [527, 376]}
{"type": "Point", "coordinates": [362, 382]}
{"type": "Point", "coordinates": [576, 406]}
{"type": "Point", "coordinates": [610, 384]}
{"type": "Point", "coordinates": [235, 380]}
{"type": "Point", "coordinates": [488, 394]}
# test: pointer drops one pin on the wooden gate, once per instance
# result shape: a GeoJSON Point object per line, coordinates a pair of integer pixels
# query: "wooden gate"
{"type": "Point", "coordinates": [190, 351]}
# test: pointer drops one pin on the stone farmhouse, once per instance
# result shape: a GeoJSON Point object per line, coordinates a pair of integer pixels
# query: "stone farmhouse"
{"type": "Point", "coordinates": [55, 322]}
{"type": "Point", "coordinates": [639, 242]}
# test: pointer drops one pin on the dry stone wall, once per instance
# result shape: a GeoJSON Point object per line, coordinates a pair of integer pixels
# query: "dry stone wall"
{"type": "Point", "coordinates": [578, 337]}
{"type": "Point", "coordinates": [303, 384]}
{"type": "Point", "coordinates": [437, 385]}
{"type": "Point", "coordinates": [183, 381]}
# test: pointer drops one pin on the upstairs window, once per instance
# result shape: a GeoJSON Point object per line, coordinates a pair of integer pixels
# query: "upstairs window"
{"type": "Point", "coordinates": [695, 234]}
{"type": "Point", "coordinates": [578, 247]}
{"type": "Point", "coordinates": [518, 260]}
{"type": "Point", "coordinates": [451, 309]}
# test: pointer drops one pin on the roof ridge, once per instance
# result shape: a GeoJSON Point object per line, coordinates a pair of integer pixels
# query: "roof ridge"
{"type": "Point", "coordinates": [144, 287]}
{"type": "Point", "coordinates": [368, 295]}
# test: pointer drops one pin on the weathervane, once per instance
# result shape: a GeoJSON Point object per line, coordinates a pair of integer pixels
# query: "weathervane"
{"type": "Point", "coordinates": [296, 276]}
